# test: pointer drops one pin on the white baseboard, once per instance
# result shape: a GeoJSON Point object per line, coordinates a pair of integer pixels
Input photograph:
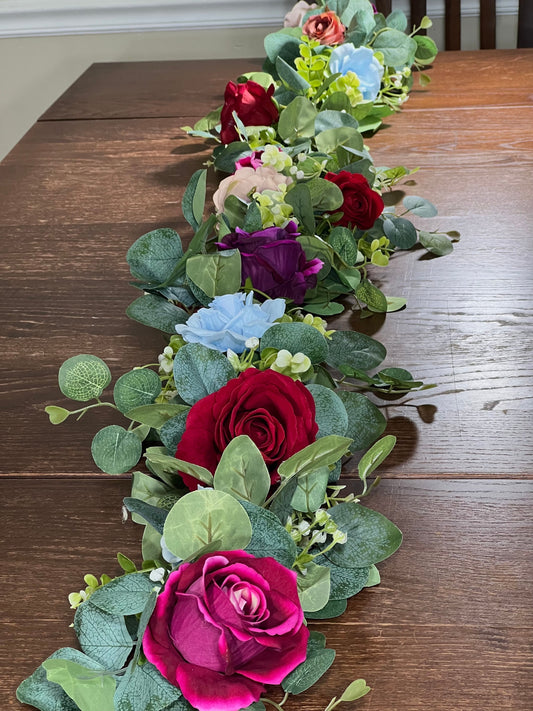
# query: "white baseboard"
{"type": "Point", "coordinates": [30, 18]}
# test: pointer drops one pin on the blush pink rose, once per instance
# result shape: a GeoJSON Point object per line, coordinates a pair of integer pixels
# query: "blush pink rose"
{"type": "Point", "coordinates": [225, 626]}
{"type": "Point", "coordinates": [246, 180]}
{"type": "Point", "coordinates": [297, 13]}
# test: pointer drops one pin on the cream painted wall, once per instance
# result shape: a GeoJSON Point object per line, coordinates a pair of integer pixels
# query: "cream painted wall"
{"type": "Point", "coordinates": [36, 70]}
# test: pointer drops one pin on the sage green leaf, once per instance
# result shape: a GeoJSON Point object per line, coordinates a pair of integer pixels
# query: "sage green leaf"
{"type": "Point", "coordinates": [299, 196]}
{"type": "Point", "coordinates": [102, 636]}
{"type": "Point", "coordinates": [324, 309]}
{"type": "Point", "coordinates": [283, 43]}
{"type": "Point", "coordinates": [172, 431]}
{"type": "Point", "coordinates": [193, 201]}
{"type": "Point", "coordinates": [322, 453]}
{"type": "Point", "coordinates": [114, 450]}
{"type": "Point", "coordinates": [156, 312]}
{"type": "Point", "coordinates": [143, 688]}
{"type": "Point", "coordinates": [226, 156]}
{"type": "Point", "coordinates": [436, 243]}
{"type": "Point", "coordinates": [346, 582]}
{"type": "Point", "coordinates": [87, 688]}
{"type": "Point", "coordinates": [313, 587]}
{"type": "Point", "coordinates": [253, 221]}
{"type": "Point", "coordinates": [56, 414]}
{"type": "Point", "coordinates": [216, 274]}
{"type": "Point", "coordinates": [143, 623]}
{"type": "Point", "coordinates": [149, 489]}
{"type": "Point", "coordinates": [338, 101]}
{"type": "Point", "coordinates": [172, 464]}
{"type": "Point", "coordinates": [196, 245]}
{"type": "Point", "coordinates": [325, 195]}
{"type": "Point", "coordinates": [309, 672]}
{"type": "Point", "coordinates": [45, 695]}
{"type": "Point", "coordinates": [157, 414]}
{"type": "Point", "coordinates": [355, 350]}
{"type": "Point", "coordinates": [151, 544]}
{"type": "Point", "coordinates": [334, 608]}
{"type": "Point", "coordinates": [296, 337]}
{"type": "Point", "coordinates": [235, 211]}
{"type": "Point", "coordinates": [311, 490]}
{"type": "Point", "coordinates": [394, 303]}
{"type": "Point", "coordinates": [344, 136]}
{"type": "Point", "coordinates": [419, 206]}
{"type": "Point", "coordinates": [366, 422]}
{"type": "Point", "coordinates": [372, 296]}
{"type": "Point", "coordinates": [326, 120]}
{"type": "Point", "coordinates": [400, 232]}
{"type": "Point", "coordinates": [343, 242]}
{"type": "Point", "coordinates": [290, 77]}
{"type": "Point", "coordinates": [331, 416]}
{"type": "Point", "coordinates": [269, 537]}
{"type": "Point", "coordinates": [426, 49]}
{"type": "Point", "coordinates": [279, 503]}
{"type": "Point", "coordinates": [242, 472]}
{"type": "Point", "coordinates": [358, 688]}
{"type": "Point", "coordinates": [127, 595]}
{"type": "Point", "coordinates": [397, 48]}
{"type": "Point", "coordinates": [375, 456]}
{"type": "Point", "coordinates": [154, 515]}
{"type": "Point", "coordinates": [397, 20]}
{"type": "Point", "coordinates": [200, 371]}
{"type": "Point", "coordinates": [297, 120]}
{"type": "Point", "coordinates": [153, 256]}
{"type": "Point", "coordinates": [371, 536]}
{"type": "Point", "coordinates": [374, 578]}
{"type": "Point", "coordinates": [83, 377]}
{"type": "Point", "coordinates": [138, 387]}
{"type": "Point", "coordinates": [206, 518]}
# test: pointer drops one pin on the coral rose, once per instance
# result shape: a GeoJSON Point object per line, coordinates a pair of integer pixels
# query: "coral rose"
{"type": "Point", "coordinates": [224, 626]}
{"type": "Point", "coordinates": [253, 105]}
{"type": "Point", "coordinates": [276, 412]}
{"type": "Point", "coordinates": [326, 28]}
{"type": "Point", "coordinates": [362, 206]}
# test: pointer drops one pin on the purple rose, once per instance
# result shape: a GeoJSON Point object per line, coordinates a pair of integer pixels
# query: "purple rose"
{"type": "Point", "coordinates": [274, 261]}
{"type": "Point", "coordinates": [224, 626]}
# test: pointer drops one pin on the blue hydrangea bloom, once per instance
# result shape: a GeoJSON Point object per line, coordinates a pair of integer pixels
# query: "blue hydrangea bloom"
{"type": "Point", "coordinates": [230, 320]}
{"type": "Point", "coordinates": [346, 58]}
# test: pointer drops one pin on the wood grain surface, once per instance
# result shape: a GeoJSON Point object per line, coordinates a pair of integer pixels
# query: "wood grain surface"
{"type": "Point", "coordinates": [450, 627]}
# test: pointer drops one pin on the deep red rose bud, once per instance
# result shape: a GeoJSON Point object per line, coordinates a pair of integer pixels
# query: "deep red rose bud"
{"type": "Point", "coordinates": [362, 206]}
{"type": "Point", "coordinates": [253, 105]}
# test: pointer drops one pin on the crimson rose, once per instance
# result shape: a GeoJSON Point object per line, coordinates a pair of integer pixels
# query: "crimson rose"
{"type": "Point", "coordinates": [276, 412]}
{"type": "Point", "coordinates": [252, 104]}
{"type": "Point", "coordinates": [362, 205]}
{"type": "Point", "coordinates": [224, 626]}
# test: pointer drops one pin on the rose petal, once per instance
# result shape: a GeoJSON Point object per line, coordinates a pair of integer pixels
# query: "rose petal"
{"type": "Point", "coordinates": [207, 690]}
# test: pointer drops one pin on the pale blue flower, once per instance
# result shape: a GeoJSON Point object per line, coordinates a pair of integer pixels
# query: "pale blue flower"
{"type": "Point", "coordinates": [230, 320]}
{"type": "Point", "coordinates": [346, 58]}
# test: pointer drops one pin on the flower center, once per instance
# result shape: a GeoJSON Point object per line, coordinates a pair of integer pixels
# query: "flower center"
{"type": "Point", "coordinates": [247, 599]}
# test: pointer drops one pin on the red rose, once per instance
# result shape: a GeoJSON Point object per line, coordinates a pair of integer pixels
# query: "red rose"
{"type": "Point", "coordinates": [252, 104]}
{"type": "Point", "coordinates": [276, 412]}
{"type": "Point", "coordinates": [362, 206]}
{"type": "Point", "coordinates": [326, 28]}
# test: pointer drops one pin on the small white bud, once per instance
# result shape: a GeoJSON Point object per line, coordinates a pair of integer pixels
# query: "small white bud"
{"type": "Point", "coordinates": [157, 575]}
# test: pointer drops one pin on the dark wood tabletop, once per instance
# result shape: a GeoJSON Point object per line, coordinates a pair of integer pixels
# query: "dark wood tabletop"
{"type": "Point", "coordinates": [450, 627]}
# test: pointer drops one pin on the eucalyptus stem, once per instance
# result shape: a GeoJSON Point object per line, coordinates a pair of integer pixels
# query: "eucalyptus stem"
{"type": "Point", "coordinates": [274, 704]}
{"type": "Point", "coordinates": [89, 407]}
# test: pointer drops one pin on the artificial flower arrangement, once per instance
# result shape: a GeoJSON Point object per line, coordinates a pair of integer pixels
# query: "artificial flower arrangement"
{"type": "Point", "coordinates": [252, 408]}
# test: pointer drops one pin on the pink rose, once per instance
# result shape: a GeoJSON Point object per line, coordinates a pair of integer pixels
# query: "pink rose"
{"type": "Point", "coordinates": [246, 180]}
{"type": "Point", "coordinates": [224, 626]}
{"type": "Point", "coordinates": [295, 16]}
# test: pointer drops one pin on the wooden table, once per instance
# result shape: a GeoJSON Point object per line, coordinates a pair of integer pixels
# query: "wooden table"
{"type": "Point", "coordinates": [450, 625]}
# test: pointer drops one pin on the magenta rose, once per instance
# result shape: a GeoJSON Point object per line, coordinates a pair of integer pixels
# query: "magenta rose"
{"type": "Point", "coordinates": [225, 626]}
{"type": "Point", "coordinates": [274, 261]}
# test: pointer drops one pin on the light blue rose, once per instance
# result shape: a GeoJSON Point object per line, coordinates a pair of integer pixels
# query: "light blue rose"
{"type": "Point", "coordinates": [346, 58]}
{"type": "Point", "coordinates": [230, 320]}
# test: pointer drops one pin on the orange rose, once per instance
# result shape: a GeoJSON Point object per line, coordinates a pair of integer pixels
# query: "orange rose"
{"type": "Point", "coordinates": [327, 28]}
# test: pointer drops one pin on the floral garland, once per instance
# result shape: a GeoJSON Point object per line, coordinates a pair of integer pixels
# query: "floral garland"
{"type": "Point", "coordinates": [255, 403]}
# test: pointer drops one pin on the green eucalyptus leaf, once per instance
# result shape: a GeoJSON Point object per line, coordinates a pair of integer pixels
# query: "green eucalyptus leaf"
{"type": "Point", "coordinates": [83, 377]}
{"type": "Point", "coordinates": [114, 450]}
{"type": "Point", "coordinates": [344, 136]}
{"type": "Point", "coordinates": [296, 337]}
{"type": "Point", "coordinates": [253, 221]}
{"type": "Point", "coordinates": [324, 309]}
{"type": "Point", "coordinates": [242, 472]}
{"type": "Point", "coordinates": [153, 256]}
{"type": "Point", "coordinates": [366, 422]}
{"type": "Point", "coordinates": [269, 536]}
{"type": "Point", "coordinates": [280, 503]}
{"type": "Point", "coordinates": [330, 413]}
{"type": "Point", "coordinates": [400, 232]}
{"type": "Point", "coordinates": [138, 387]}
{"type": "Point", "coordinates": [371, 536]}
{"type": "Point", "coordinates": [397, 20]}
{"type": "Point", "coordinates": [156, 312]}
{"type": "Point", "coordinates": [206, 518]}
{"type": "Point", "coordinates": [89, 689]}
{"type": "Point", "coordinates": [216, 274]}
{"type": "Point", "coordinates": [372, 296]}
{"type": "Point", "coordinates": [151, 544]}
{"type": "Point", "coordinates": [143, 688]}
{"type": "Point", "coordinates": [126, 595]}
{"type": "Point", "coordinates": [299, 196]}
{"type": "Point", "coordinates": [374, 577]}
{"type": "Point", "coordinates": [327, 120]}
{"type": "Point", "coordinates": [343, 242]}
{"type": "Point", "coordinates": [314, 587]}
{"type": "Point", "coordinates": [375, 456]}
{"type": "Point", "coordinates": [102, 636]}
{"type": "Point", "coordinates": [426, 49]}
{"type": "Point", "coordinates": [334, 608]}
{"type": "Point", "coordinates": [297, 120]}
{"type": "Point", "coordinates": [322, 453]}
{"type": "Point", "coordinates": [309, 672]}
{"type": "Point", "coordinates": [283, 43]}
{"type": "Point", "coordinates": [325, 195]}
{"type": "Point", "coordinates": [290, 77]}
{"type": "Point", "coordinates": [172, 464]}
{"type": "Point", "coordinates": [56, 414]}
{"type": "Point", "coordinates": [157, 414]}
{"type": "Point", "coordinates": [338, 101]}
{"type": "Point", "coordinates": [172, 431]}
{"type": "Point", "coordinates": [153, 515]}
{"type": "Point", "coordinates": [311, 490]}
{"type": "Point", "coordinates": [193, 201]}
{"type": "Point", "coordinates": [355, 350]}
{"type": "Point", "coordinates": [357, 689]}
{"type": "Point", "coordinates": [419, 206]}
{"type": "Point", "coordinates": [346, 582]}
{"type": "Point", "coordinates": [436, 243]}
{"type": "Point", "coordinates": [397, 48]}
{"type": "Point", "coordinates": [226, 156]}
{"type": "Point", "coordinates": [200, 371]}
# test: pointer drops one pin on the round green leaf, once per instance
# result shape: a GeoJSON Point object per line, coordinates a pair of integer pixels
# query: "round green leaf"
{"type": "Point", "coordinates": [56, 414]}
{"type": "Point", "coordinates": [296, 337]}
{"type": "Point", "coordinates": [355, 350]}
{"type": "Point", "coordinates": [242, 472]}
{"type": "Point", "coordinates": [313, 587]}
{"type": "Point", "coordinates": [136, 388]}
{"type": "Point", "coordinates": [114, 450]}
{"type": "Point", "coordinates": [366, 422]}
{"type": "Point", "coordinates": [334, 608]}
{"type": "Point", "coordinates": [330, 416]}
{"type": "Point", "coordinates": [154, 311]}
{"type": "Point", "coordinates": [83, 377]}
{"type": "Point", "coordinates": [436, 243]}
{"type": "Point", "coordinates": [400, 232]}
{"type": "Point", "coordinates": [419, 206]}
{"type": "Point", "coordinates": [153, 256]}
{"type": "Point", "coordinates": [200, 371]}
{"type": "Point", "coordinates": [297, 120]}
{"type": "Point", "coordinates": [172, 431]}
{"type": "Point", "coordinates": [269, 536]}
{"type": "Point", "coordinates": [206, 520]}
